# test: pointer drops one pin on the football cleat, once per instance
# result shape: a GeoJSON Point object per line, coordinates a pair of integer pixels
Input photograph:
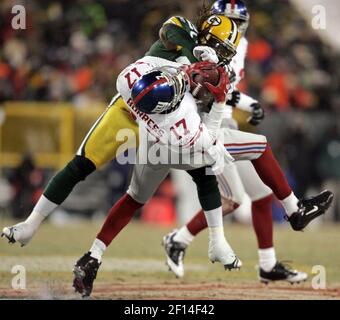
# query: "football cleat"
{"type": "Point", "coordinates": [220, 251]}
{"type": "Point", "coordinates": [85, 272]}
{"type": "Point", "coordinates": [282, 272]}
{"type": "Point", "coordinates": [175, 252]}
{"type": "Point", "coordinates": [21, 232]}
{"type": "Point", "coordinates": [309, 209]}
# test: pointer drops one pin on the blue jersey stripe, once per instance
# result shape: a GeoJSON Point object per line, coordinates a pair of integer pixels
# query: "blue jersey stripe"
{"type": "Point", "coordinates": [244, 149]}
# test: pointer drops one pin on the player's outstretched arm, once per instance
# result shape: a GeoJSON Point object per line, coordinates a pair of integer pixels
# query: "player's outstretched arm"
{"type": "Point", "coordinates": [246, 103]}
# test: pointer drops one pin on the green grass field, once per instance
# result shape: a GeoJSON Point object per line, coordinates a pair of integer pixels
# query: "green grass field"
{"type": "Point", "coordinates": [134, 268]}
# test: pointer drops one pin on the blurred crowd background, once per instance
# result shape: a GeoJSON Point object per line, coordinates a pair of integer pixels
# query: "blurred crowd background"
{"type": "Point", "coordinates": [72, 51]}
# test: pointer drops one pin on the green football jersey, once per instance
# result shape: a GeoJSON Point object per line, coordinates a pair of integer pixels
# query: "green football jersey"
{"type": "Point", "coordinates": [183, 34]}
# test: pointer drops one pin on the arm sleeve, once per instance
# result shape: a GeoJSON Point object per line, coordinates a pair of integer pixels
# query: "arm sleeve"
{"type": "Point", "coordinates": [129, 76]}
{"type": "Point", "coordinates": [213, 147]}
{"type": "Point", "coordinates": [214, 119]}
{"type": "Point", "coordinates": [218, 156]}
{"type": "Point", "coordinates": [180, 37]}
{"type": "Point", "coordinates": [239, 60]}
{"type": "Point", "coordinates": [245, 102]}
{"type": "Point", "coordinates": [122, 87]}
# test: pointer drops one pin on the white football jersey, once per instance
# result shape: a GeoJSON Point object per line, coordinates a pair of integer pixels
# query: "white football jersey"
{"type": "Point", "coordinates": [181, 130]}
{"type": "Point", "coordinates": [237, 63]}
{"type": "Point", "coordinates": [181, 126]}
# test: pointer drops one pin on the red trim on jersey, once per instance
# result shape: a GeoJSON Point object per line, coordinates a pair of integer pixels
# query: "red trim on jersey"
{"type": "Point", "coordinates": [148, 89]}
{"type": "Point", "coordinates": [244, 144]}
{"type": "Point", "coordinates": [198, 134]}
{"type": "Point", "coordinates": [195, 137]}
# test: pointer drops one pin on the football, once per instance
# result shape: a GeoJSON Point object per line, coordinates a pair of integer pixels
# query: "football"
{"type": "Point", "coordinates": [198, 88]}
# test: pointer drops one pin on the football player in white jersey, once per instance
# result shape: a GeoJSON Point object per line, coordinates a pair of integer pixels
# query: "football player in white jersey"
{"type": "Point", "coordinates": [259, 151]}
{"type": "Point", "coordinates": [144, 182]}
{"type": "Point", "coordinates": [157, 93]}
{"type": "Point", "coordinates": [162, 107]}
{"type": "Point", "coordinates": [261, 196]}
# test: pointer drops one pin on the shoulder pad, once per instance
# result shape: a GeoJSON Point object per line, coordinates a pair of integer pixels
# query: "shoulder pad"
{"type": "Point", "coordinates": [174, 20]}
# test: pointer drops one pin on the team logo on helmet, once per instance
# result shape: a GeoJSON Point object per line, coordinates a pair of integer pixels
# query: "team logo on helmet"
{"type": "Point", "coordinates": [233, 9]}
{"type": "Point", "coordinates": [160, 90]}
{"type": "Point", "coordinates": [221, 34]}
{"type": "Point", "coordinates": [214, 20]}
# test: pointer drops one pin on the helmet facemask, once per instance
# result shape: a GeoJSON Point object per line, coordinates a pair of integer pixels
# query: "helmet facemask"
{"type": "Point", "coordinates": [224, 50]}
{"type": "Point", "coordinates": [178, 79]}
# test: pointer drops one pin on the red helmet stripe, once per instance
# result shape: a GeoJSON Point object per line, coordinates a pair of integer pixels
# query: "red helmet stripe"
{"type": "Point", "coordinates": [232, 2]}
{"type": "Point", "coordinates": [148, 89]}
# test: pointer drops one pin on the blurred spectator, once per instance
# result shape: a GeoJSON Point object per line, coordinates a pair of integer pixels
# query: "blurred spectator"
{"type": "Point", "coordinates": [161, 208]}
{"type": "Point", "coordinates": [328, 164]}
{"type": "Point", "coordinates": [298, 149]}
{"type": "Point", "coordinates": [73, 50]}
{"type": "Point", "coordinates": [27, 183]}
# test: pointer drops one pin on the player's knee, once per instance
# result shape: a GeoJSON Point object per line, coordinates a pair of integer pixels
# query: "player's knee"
{"type": "Point", "coordinates": [262, 138]}
{"type": "Point", "coordinates": [257, 138]}
{"type": "Point", "coordinates": [243, 212]}
{"type": "Point", "coordinates": [206, 184]}
{"type": "Point", "coordinates": [207, 189]}
{"type": "Point", "coordinates": [62, 184]}
{"type": "Point", "coordinates": [81, 167]}
{"type": "Point", "coordinates": [138, 196]}
{"type": "Point", "coordinates": [202, 180]}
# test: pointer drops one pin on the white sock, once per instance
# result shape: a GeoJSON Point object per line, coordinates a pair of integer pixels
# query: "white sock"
{"type": "Point", "coordinates": [183, 235]}
{"type": "Point", "coordinates": [214, 217]}
{"type": "Point", "coordinates": [290, 204]}
{"type": "Point", "coordinates": [45, 206]}
{"type": "Point", "coordinates": [35, 219]}
{"type": "Point", "coordinates": [97, 249]}
{"type": "Point", "coordinates": [40, 211]}
{"type": "Point", "coordinates": [215, 223]}
{"type": "Point", "coordinates": [216, 234]}
{"type": "Point", "coordinates": [267, 259]}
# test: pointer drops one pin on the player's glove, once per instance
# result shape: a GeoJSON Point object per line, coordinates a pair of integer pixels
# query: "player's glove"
{"type": "Point", "coordinates": [221, 90]}
{"type": "Point", "coordinates": [257, 114]}
{"type": "Point", "coordinates": [204, 53]}
{"type": "Point", "coordinates": [235, 98]}
{"type": "Point", "coordinates": [221, 157]}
